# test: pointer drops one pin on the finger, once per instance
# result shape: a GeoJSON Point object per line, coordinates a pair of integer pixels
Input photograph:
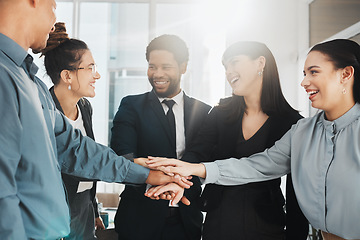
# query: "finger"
{"type": "Point", "coordinates": [150, 192]}
{"type": "Point", "coordinates": [102, 226]}
{"type": "Point", "coordinates": [177, 198]}
{"type": "Point", "coordinates": [157, 158]}
{"type": "Point", "coordinates": [162, 189]}
{"type": "Point", "coordinates": [177, 170]}
{"type": "Point", "coordinates": [184, 184]}
{"type": "Point", "coordinates": [165, 170]}
{"type": "Point", "coordinates": [163, 196]}
{"type": "Point", "coordinates": [151, 196]}
{"type": "Point", "coordinates": [185, 179]}
{"type": "Point", "coordinates": [169, 197]}
{"type": "Point", "coordinates": [185, 201]}
{"type": "Point", "coordinates": [160, 162]}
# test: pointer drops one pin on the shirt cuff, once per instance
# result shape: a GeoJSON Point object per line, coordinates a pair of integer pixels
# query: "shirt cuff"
{"type": "Point", "coordinates": [212, 173]}
{"type": "Point", "coordinates": [137, 174]}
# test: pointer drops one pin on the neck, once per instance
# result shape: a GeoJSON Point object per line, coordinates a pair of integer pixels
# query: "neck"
{"type": "Point", "coordinates": [341, 110]}
{"type": "Point", "coordinates": [67, 101]}
{"type": "Point", "coordinates": [175, 93]}
{"type": "Point", "coordinates": [253, 104]}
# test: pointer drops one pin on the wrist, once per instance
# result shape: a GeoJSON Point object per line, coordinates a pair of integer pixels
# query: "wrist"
{"type": "Point", "coordinates": [199, 170]}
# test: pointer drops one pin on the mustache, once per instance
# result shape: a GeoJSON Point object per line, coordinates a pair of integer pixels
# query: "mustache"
{"type": "Point", "coordinates": [159, 79]}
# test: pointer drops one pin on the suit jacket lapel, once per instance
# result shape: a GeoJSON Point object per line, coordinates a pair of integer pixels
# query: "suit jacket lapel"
{"type": "Point", "coordinates": [56, 101]}
{"type": "Point", "coordinates": [188, 108]}
{"type": "Point", "coordinates": [86, 116]}
{"type": "Point", "coordinates": [159, 112]}
{"type": "Point", "coordinates": [187, 113]}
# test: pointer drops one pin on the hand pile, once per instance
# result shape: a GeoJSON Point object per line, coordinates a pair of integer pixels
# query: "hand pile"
{"type": "Point", "coordinates": [169, 178]}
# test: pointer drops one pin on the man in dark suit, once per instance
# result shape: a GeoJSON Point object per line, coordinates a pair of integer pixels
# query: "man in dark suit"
{"type": "Point", "coordinates": [147, 125]}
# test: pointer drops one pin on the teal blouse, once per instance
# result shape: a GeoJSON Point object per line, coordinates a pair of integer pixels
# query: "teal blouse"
{"type": "Point", "coordinates": [324, 159]}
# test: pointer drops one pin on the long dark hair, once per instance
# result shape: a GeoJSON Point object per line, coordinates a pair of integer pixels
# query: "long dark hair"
{"type": "Point", "coordinates": [343, 53]}
{"type": "Point", "coordinates": [62, 52]}
{"type": "Point", "coordinates": [272, 100]}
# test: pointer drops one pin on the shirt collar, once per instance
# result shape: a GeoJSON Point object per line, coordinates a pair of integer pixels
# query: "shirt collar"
{"type": "Point", "coordinates": [13, 50]}
{"type": "Point", "coordinates": [18, 55]}
{"type": "Point", "coordinates": [178, 99]}
{"type": "Point", "coordinates": [343, 121]}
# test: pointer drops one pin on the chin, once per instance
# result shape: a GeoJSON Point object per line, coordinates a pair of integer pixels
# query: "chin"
{"type": "Point", "coordinates": [91, 95]}
{"type": "Point", "coordinates": [314, 105]}
{"type": "Point", "coordinates": [238, 93]}
{"type": "Point", "coordinates": [161, 93]}
{"type": "Point", "coordinates": [37, 49]}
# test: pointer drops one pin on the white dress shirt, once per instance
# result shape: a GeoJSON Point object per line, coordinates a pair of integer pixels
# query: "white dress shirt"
{"type": "Point", "coordinates": [79, 124]}
{"type": "Point", "coordinates": [178, 110]}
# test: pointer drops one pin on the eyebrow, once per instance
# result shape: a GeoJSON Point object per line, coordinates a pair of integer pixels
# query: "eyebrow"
{"type": "Point", "coordinates": [311, 67]}
{"type": "Point", "coordinates": [88, 65]}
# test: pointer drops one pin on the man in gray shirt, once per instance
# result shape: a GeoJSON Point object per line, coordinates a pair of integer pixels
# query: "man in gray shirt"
{"type": "Point", "coordinates": [36, 141]}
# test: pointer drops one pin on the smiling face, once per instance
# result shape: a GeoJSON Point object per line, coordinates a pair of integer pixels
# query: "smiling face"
{"type": "Point", "coordinates": [164, 73]}
{"type": "Point", "coordinates": [242, 75]}
{"type": "Point", "coordinates": [323, 82]}
{"type": "Point", "coordinates": [83, 80]}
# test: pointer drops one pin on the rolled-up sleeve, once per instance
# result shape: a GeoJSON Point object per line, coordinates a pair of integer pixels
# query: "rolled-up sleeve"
{"type": "Point", "coordinates": [80, 156]}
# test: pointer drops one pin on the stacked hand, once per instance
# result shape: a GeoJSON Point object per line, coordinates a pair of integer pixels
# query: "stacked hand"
{"type": "Point", "coordinates": [177, 178]}
{"type": "Point", "coordinates": [169, 191]}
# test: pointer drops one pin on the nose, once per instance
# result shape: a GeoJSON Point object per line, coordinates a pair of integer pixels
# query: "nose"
{"type": "Point", "coordinates": [228, 74]}
{"type": "Point", "coordinates": [229, 69]}
{"type": "Point", "coordinates": [97, 75]}
{"type": "Point", "coordinates": [158, 73]}
{"type": "Point", "coordinates": [305, 83]}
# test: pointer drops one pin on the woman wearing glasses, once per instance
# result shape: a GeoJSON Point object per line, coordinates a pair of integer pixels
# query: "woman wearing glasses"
{"type": "Point", "coordinates": [72, 69]}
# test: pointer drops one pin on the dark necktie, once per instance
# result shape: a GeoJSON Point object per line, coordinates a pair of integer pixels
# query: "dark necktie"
{"type": "Point", "coordinates": [171, 117]}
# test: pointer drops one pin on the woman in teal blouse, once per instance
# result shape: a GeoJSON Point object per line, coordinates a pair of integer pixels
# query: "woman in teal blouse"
{"type": "Point", "coordinates": [324, 150]}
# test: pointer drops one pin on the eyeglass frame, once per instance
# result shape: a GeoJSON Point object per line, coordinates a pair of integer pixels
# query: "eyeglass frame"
{"type": "Point", "coordinates": [93, 68]}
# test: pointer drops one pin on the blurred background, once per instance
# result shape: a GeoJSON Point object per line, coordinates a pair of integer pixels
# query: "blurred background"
{"type": "Point", "coordinates": [118, 31]}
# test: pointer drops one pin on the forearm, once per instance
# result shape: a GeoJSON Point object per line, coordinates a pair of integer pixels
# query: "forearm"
{"type": "Point", "coordinates": [241, 171]}
{"type": "Point", "coordinates": [270, 164]}
{"type": "Point", "coordinates": [81, 156]}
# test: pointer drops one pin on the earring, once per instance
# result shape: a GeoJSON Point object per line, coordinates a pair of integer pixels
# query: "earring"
{"type": "Point", "coordinates": [260, 73]}
{"type": "Point", "coordinates": [344, 91]}
{"type": "Point", "coordinates": [69, 87]}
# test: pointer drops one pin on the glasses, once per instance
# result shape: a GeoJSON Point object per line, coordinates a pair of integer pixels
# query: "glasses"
{"type": "Point", "coordinates": [93, 68]}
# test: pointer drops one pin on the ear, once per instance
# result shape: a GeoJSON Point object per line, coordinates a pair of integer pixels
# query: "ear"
{"type": "Point", "coordinates": [183, 67]}
{"type": "Point", "coordinates": [347, 74]}
{"type": "Point", "coordinates": [262, 62]}
{"type": "Point", "coordinates": [66, 76]}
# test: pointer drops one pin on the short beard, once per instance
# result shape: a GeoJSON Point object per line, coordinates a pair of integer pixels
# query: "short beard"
{"type": "Point", "coordinates": [172, 89]}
